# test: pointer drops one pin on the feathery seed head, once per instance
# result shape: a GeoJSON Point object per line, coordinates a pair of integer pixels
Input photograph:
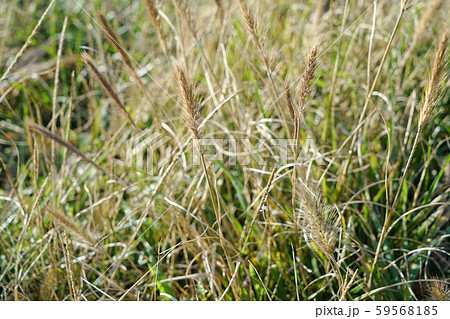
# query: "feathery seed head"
{"type": "Point", "coordinates": [249, 19]}
{"type": "Point", "coordinates": [106, 86]}
{"type": "Point", "coordinates": [432, 8]}
{"type": "Point", "coordinates": [433, 90]}
{"type": "Point", "coordinates": [156, 21]}
{"type": "Point", "coordinates": [438, 290]}
{"type": "Point", "coordinates": [305, 86]}
{"type": "Point", "coordinates": [71, 226]}
{"type": "Point", "coordinates": [152, 11]}
{"type": "Point", "coordinates": [320, 220]}
{"type": "Point", "coordinates": [191, 108]}
{"type": "Point", "coordinates": [114, 40]}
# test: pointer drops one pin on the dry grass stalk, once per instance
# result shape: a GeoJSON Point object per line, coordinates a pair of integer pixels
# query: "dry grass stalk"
{"type": "Point", "coordinates": [305, 86]}
{"type": "Point", "coordinates": [27, 42]}
{"type": "Point", "coordinates": [432, 95]}
{"type": "Point", "coordinates": [70, 147]}
{"type": "Point", "coordinates": [289, 101]}
{"type": "Point", "coordinates": [106, 86]}
{"type": "Point", "coordinates": [55, 88]}
{"type": "Point", "coordinates": [71, 226]}
{"type": "Point", "coordinates": [192, 117]}
{"type": "Point", "coordinates": [433, 90]}
{"type": "Point", "coordinates": [70, 268]}
{"type": "Point", "coordinates": [35, 152]}
{"type": "Point", "coordinates": [191, 108]}
{"type": "Point", "coordinates": [156, 21]}
{"type": "Point", "coordinates": [11, 181]}
{"type": "Point", "coordinates": [319, 9]}
{"type": "Point", "coordinates": [185, 12]}
{"type": "Point", "coordinates": [260, 208]}
{"type": "Point", "coordinates": [362, 116]}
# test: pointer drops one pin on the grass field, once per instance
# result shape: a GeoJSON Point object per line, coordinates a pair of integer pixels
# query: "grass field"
{"type": "Point", "coordinates": [224, 150]}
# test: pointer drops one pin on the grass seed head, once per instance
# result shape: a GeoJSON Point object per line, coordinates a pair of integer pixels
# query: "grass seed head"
{"type": "Point", "coordinates": [106, 86]}
{"type": "Point", "coordinates": [320, 220]}
{"type": "Point", "coordinates": [426, 20]}
{"type": "Point", "coordinates": [305, 86]}
{"type": "Point", "coordinates": [69, 225]}
{"type": "Point", "coordinates": [249, 19]}
{"type": "Point", "coordinates": [191, 108]}
{"type": "Point", "coordinates": [433, 90]}
{"type": "Point", "coordinates": [438, 290]}
{"type": "Point", "coordinates": [156, 21]}
{"type": "Point", "coordinates": [114, 40]}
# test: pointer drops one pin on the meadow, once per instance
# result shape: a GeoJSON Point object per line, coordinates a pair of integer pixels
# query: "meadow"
{"type": "Point", "coordinates": [224, 150]}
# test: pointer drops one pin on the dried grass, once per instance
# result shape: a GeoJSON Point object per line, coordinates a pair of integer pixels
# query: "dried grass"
{"type": "Point", "coordinates": [250, 21]}
{"type": "Point", "coordinates": [114, 40]}
{"type": "Point", "coordinates": [438, 290]}
{"type": "Point", "coordinates": [106, 87]}
{"type": "Point", "coordinates": [432, 92]}
{"type": "Point", "coordinates": [431, 11]}
{"type": "Point", "coordinates": [156, 21]}
{"type": "Point", "coordinates": [69, 225]}
{"type": "Point", "coordinates": [289, 101]}
{"type": "Point", "coordinates": [305, 86]}
{"type": "Point", "coordinates": [190, 107]}
{"type": "Point", "coordinates": [320, 222]}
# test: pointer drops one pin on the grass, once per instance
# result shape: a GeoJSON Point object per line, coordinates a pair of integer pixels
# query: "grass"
{"type": "Point", "coordinates": [224, 150]}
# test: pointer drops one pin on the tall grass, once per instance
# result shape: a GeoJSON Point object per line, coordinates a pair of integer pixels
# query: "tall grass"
{"type": "Point", "coordinates": [225, 150]}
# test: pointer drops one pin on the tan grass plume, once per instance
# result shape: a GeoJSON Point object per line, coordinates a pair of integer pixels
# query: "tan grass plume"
{"type": "Point", "coordinates": [114, 40]}
{"type": "Point", "coordinates": [250, 21]}
{"type": "Point", "coordinates": [320, 221]}
{"type": "Point", "coordinates": [106, 86]}
{"type": "Point", "coordinates": [156, 21]}
{"type": "Point", "coordinates": [426, 20]}
{"type": "Point", "coordinates": [305, 86]}
{"type": "Point", "coordinates": [191, 108]}
{"type": "Point", "coordinates": [71, 226]}
{"type": "Point", "coordinates": [433, 90]}
{"type": "Point", "coordinates": [69, 267]}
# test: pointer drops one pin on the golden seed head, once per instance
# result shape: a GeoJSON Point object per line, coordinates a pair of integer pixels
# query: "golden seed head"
{"type": "Point", "coordinates": [320, 220]}
{"type": "Point", "coordinates": [305, 86]}
{"type": "Point", "coordinates": [436, 78]}
{"type": "Point", "coordinates": [191, 108]}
